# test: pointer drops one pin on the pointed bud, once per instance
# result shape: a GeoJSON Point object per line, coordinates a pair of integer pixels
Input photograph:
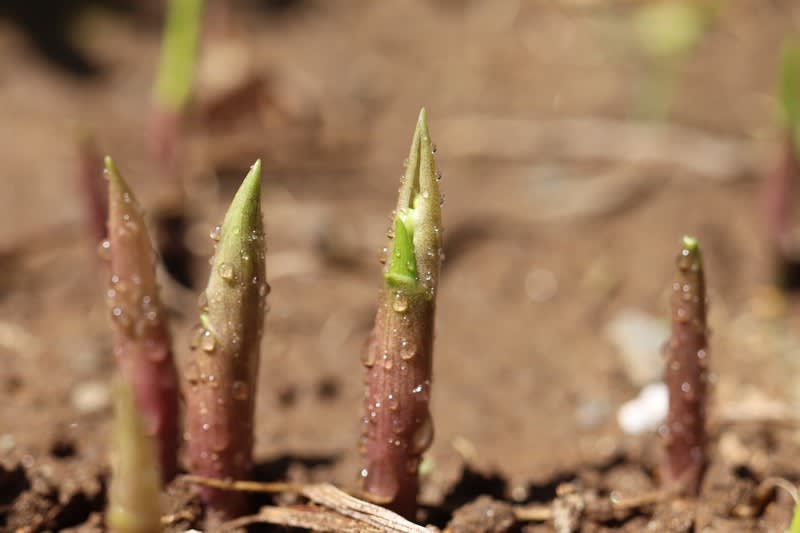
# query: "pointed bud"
{"type": "Point", "coordinates": [133, 494]}
{"type": "Point", "coordinates": [686, 373]}
{"type": "Point", "coordinates": [141, 342]}
{"type": "Point", "coordinates": [420, 213]}
{"type": "Point", "coordinates": [397, 426]}
{"type": "Point", "coordinates": [223, 371]}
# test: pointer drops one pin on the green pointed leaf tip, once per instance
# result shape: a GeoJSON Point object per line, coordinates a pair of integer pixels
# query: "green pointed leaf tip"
{"type": "Point", "coordinates": [241, 220]}
{"type": "Point", "coordinates": [789, 84]}
{"type": "Point", "coordinates": [419, 215]}
{"type": "Point", "coordinates": [115, 182]}
{"type": "Point", "coordinates": [240, 252]}
{"type": "Point", "coordinates": [133, 498]}
{"type": "Point", "coordinates": [690, 243]}
{"type": "Point", "coordinates": [178, 54]}
{"type": "Point", "coordinates": [403, 266]}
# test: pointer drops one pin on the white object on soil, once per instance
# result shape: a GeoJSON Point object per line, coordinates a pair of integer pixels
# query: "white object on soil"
{"type": "Point", "coordinates": [638, 338]}
{"type": "Point", "coordinates": [645, 412]}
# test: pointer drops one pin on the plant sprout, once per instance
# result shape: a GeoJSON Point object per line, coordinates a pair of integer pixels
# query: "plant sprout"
{"type": "Point", "coordinates": [223, 371]}
{"type": "Point", "coordinates": [141, 341]}
{"type": "Point", "coordinates": [397, 426]}
{"type": "Point", "coordinates": [686, 373]}
{"type": "Point", "coordinates": [780, 182]}
{"type": "Point", "coordinates": [173, 86]}
{"type": "Point", "coordinates": [134, 490]}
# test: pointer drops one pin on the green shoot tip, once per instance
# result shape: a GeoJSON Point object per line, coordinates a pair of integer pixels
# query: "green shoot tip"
{"type": "Point", "coordinates": [403, 263]}
{"type": "Point", "coordinates": [690, 243]}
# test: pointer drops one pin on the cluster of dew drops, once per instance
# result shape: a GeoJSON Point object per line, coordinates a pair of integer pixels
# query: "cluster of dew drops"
{"type": "Point", "coordinates": [132, 307]}
{"type": "Point", "coordinates": [205, 339]}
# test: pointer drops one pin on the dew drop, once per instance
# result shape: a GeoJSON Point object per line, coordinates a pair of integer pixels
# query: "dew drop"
{"type": "Point", "coordinates": [392, 402]}
{"type": "Point", "coordinates": [208, 342]}
{"type": "Point", "coordinates": [264, 289]}
{"type": "Point", "coordinates": [104, 250]}
{"type": "Point", "coordinates": [202, 302]}
{"type": "Point", "coordinates": [407, 350]}
{"type": "Point", "coordinates": [196, 336]}
{"type": "Point", "coordinates": [423, 436]}
{"type": "Point", "coordinates": [215, 233]}
{"type": "Point", "coordinates": [368, 357]}
{"type": "Point", "coordinates": [240, 390]}
{"type": "Point", "coordinates": [400, 303]}
{"type": "Point", "coordinates": [226, 271]}
{"type": "Point", "coordinates": [684, 262]}
{"type": "Point", "coordinates": [398, 425]}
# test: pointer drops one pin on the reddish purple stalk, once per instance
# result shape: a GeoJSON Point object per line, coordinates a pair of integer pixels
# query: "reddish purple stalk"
{"type": "Point", "coordinates": [686, 374]}
{"type": "Point", "coordinates": [397, 426]}
{"type": "Point", "coordinates": [778, 188]}
{"type": "Point", "coordinates": [141, 340]}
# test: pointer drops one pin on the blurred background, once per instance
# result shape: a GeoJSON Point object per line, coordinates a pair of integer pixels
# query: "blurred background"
{"type": "Point", "coordinates": [578, 141]}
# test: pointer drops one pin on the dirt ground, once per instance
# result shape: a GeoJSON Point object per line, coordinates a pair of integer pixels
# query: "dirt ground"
{"type": "Point", "coordinates": [560, 213]}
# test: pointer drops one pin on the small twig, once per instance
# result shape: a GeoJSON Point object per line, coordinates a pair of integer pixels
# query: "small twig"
{"type": "Point", "coordinates": [173, 518]}
{"type": "Point", "coordinates": [635, 502]}
{"type": "Point", "coordinates": [761, 497]}
{"type": "Point", "coordinates": [315, 520]}
{"type": "Point", "coordinates": [533, 513]}
{"type": "Point", "coordinates": [245, 486]}
{"type": "Point", "coordinates": [273, 487]}
{"type": "Point", "coordinates": [544, 513]}
{"type": "Point", "coordinates": [340, 512]}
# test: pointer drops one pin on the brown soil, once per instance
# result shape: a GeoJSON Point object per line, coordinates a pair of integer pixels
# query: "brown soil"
{"type": "Point", "coordinates": [327, 94]}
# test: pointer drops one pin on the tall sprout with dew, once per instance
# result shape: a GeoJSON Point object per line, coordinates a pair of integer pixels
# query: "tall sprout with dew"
{"type": "Point", "coordinates": [142, 343]}
{"type": "Point", "coordinates": [222, 373]}
{"type": "Point", "coordinates": [686, 373]}
{"type": "Point", "coordinates": [397, 425]}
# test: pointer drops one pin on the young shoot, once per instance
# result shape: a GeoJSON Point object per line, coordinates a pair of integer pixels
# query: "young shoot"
{"type": "Point", "coordinates": [222, 373]}
{"type": "Point", "coordinates": [397, 426]}
{"type": "Point", "coordinates": [173, 86]}
{"type": "Point", "coordinates": [141, 338]}
{"type": "Point", "coordinates": [134, 489]}
{"type": "Point", "coordinates": [686, 373]}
